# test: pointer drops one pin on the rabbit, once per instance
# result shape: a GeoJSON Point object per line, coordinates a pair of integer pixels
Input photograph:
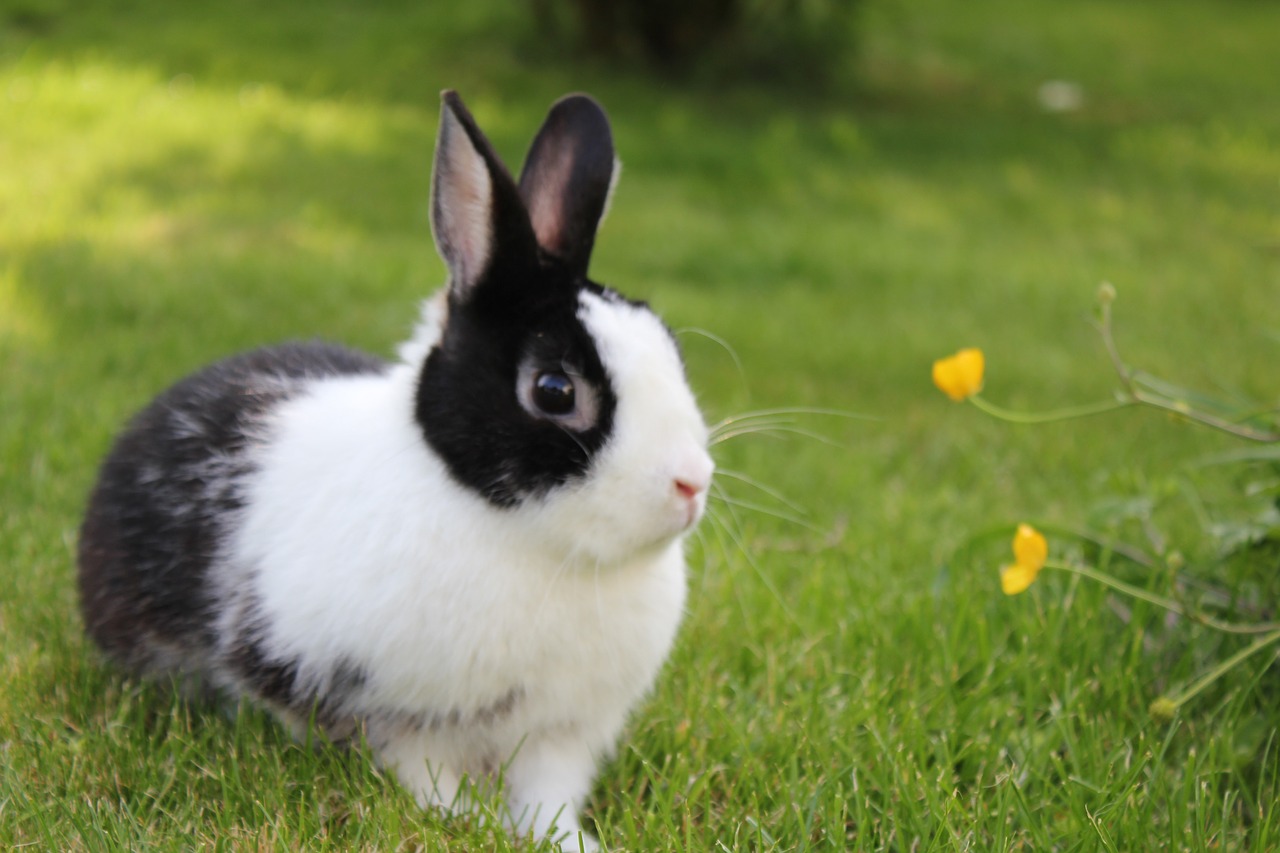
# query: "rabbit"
{"type": "Point", "coordinates": [470, 556]}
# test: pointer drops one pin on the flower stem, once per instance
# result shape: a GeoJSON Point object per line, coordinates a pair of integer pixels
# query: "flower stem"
{"type": "Point", "coordinates": [1132, 394]}
{"type": "Point", "coordinates": [1129, 396]}
{"type": "Point", "coordinates": [1167, 603]}
{"type": "Point", "coordinates": [1068, 413]}
{"type": "Point", "coordinates": [1217, 672]}
{"type": "Point", "coordinates": [1203, 418]}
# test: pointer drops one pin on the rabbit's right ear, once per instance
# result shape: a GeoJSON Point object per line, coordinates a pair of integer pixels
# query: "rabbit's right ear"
{"type": "Point", "coordinates": [477, 217]}
{"type": "Point", "coordinates": [568, 177]}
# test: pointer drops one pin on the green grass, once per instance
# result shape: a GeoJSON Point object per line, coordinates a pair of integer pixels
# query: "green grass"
{"type": "Point", "coordinates": [179, 184]}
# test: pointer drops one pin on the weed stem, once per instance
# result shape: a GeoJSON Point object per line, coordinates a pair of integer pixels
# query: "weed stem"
{"type": "Point", "coordinates": [1167, 603]}
{"type": "Point", "coordinates": [1214, 674]}
{"type": "Point", "coordinates": [1046, 417]}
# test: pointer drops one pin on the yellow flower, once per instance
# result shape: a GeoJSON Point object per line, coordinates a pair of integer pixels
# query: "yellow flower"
{"type": "Point", "coordinates": [960, 375]}
{"type": "Point", "coordinates": [1030, 550]}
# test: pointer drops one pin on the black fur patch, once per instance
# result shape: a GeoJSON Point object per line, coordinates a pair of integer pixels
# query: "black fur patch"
{"type": "Point", "coordinates": [166, 493]}
{"type": "Point", "coordinates": [467, 404]}
{"type": "Point", "coordinates": [328, 697]}
{"type": "Point", "coordinates": [482, 717]}
{"type": "Point", "coordinates": [384, 724]}
{"type": "Point", "coordinates": [273, 680]}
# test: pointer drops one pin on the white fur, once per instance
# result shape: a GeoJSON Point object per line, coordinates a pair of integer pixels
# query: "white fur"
{"type": "Point", "coordinates": [362, 548]}
{"type": "Point", "coordinates": [434, 314]}
{"type": "Point", "coordinates": [628, 504]}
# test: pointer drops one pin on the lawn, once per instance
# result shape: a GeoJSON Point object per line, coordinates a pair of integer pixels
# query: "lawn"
{"type": "Point", "coordinates": [178, 183]}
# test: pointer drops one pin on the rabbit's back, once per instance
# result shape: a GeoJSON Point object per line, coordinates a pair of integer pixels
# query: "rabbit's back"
{"type": "Point", "coordinates": [169, 491]}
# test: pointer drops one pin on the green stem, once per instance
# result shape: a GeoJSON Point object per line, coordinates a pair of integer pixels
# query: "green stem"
{"type": "Point", "coordinates": [1133, 394]}
{"type": "Point", "coordinates": [1113, 352]}
{"type": "Point", "coordinates": [1214, 674]}
{"type": "Point", "coordinates": [1068, 413]}
{"type": "Point", "coordinates": [1167, 603]}
{"type": "Point", "coordinates": [1131, 397]}
{"type": "Point", "coordinates": [1203, 418]}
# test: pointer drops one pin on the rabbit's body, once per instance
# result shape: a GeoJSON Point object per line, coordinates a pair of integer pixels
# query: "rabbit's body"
{"type": "Point", "coordinates": [475, 565]}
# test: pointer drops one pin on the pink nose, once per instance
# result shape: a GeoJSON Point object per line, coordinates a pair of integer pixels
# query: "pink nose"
{"type": "Point", "coordinates": [688, 490]}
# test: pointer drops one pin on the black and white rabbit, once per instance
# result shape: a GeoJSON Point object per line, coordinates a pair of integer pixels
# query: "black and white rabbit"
{"type": "Point", "coordinates": [473, 554]}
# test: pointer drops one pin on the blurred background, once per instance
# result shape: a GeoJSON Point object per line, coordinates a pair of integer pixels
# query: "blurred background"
{"type": "Point", "coordinates": [822, 197]}
{"type": "Point", "coordinates": [841, 191]}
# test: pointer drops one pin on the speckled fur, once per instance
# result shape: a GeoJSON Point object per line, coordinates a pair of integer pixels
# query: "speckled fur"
{"type": "Point", "coordinates": [168, 495]}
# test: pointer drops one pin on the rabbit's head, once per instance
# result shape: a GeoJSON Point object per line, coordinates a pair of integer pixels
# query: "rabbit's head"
{"type": "Point", "coordinates": [555, 399]}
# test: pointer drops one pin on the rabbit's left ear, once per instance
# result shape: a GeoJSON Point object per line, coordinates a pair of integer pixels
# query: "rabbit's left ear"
{"type": "Point", "coordinates": [477, 215]}
{"type": "Point", "coordinates": [567, 178]}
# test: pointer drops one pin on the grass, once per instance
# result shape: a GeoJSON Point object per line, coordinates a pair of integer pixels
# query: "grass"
{"type": "Point", "coordinates": [178, 185]}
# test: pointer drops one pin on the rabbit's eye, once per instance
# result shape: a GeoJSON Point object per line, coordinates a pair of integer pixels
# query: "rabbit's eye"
{"type": "Point", "coordinates": [553, 393]}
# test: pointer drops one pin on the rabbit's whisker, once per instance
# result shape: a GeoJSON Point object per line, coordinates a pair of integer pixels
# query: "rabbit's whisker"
{"type": "Point", "coordinates": [788, 411]}
{"type": "Point", "coordinates": [771, 492]}
{"type": "Point", "coordinates": [724, 344]}
{"type": "Point", "coordinates": [721, 495]}
{"type": "Point", "coordinates": [774, 430]}
{"type": "Point", "coordinates": [585, 452]}
{"type": "Point", "coordinates": [736, 537]}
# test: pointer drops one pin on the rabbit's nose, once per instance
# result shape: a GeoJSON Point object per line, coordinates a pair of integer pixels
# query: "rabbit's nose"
{"type": "Point", "coordinates": [688, 490]}
{"type": "Point", "coordinates": [692, 474]}
{"type": "Point", "coordinates": [689, 493]}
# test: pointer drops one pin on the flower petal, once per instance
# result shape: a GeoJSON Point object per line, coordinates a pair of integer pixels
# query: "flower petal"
{"type": "Point", "coordinates": [1030, 548]}
{"type": "Point", "coordinates": [1015, 579]}
{"type": "Point", "coordinates": [960, 376]}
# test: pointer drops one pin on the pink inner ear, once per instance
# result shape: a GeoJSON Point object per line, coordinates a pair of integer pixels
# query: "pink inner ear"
{"type": "Point", "coordinates": [546, 196]}
{"type": "Point", "coordinates": [464, 200]}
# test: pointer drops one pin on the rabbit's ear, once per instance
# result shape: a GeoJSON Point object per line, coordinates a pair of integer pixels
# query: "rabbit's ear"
{"type": "Point", "coordinates": [567, 178]}
{"type": "Point", "coordinates": [477, 216]}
